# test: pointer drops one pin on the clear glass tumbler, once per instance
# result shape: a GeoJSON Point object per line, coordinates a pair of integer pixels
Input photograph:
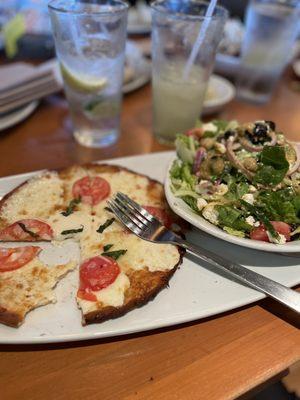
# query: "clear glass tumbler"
{"type": "Point", "coordinates": [178, 99]}
{"type": "Point", "coordinates": [272, 27]}
{"type": "Point", "coordinates": [90, 45]}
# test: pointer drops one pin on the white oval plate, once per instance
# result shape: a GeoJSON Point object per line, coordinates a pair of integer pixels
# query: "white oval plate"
{"type": "Point", "coordinates": [223, 92]}
{"type": "Point", "coordinates": [184, 211]}
{"type": "Point", "coordinates": [17, 116]}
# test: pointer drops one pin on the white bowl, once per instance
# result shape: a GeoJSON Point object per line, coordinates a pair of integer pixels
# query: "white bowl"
{"type": "Point", "coordinates": [223, 92]}
{"type": "Point", "coordinates": [184, 211]}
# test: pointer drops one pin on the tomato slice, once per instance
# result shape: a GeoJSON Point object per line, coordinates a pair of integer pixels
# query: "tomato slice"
{"type": "Point", "coordinates": [17, 257]}
{"type": "Point", "coordinates": [260, 233]}
{"type": "Point", "coordinates": [86, 295]}
{"type": "Point", "coordinates": [27, 230]}
{"type": "Point", "coordinates": [97, 273]}
{"type": "Point", "coordinates": [160, 214]}
{"type": "Point", "coordinates": [91, 190]}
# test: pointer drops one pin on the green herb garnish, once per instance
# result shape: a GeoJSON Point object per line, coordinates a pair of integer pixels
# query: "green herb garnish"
{"type": "Point", "coordinates": [69, 231]}
{"type": "Point", "coordinates": [106, 224]}
{"type": "Point", "coordinates": [108, 209]}
{"type": "Point", "coordinates": [71, 207]}
{"type": "Point", "coordinates": [114, 254]}
{"type": "Point", "coordinates": [32, 234]}
{"type": "Point", "coordinates": [107, 247]}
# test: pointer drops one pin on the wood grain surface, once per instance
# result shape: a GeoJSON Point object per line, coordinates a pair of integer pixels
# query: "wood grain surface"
{"type": "Point", "coordinates": [217, 358]}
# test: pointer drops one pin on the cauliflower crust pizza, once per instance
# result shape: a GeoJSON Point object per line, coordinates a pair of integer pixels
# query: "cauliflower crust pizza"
{"type": "Point", "coordinates": [118, 271]}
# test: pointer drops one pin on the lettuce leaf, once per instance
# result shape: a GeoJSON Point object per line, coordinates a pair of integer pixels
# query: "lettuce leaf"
{"type": "Point", "coordinates": [186, 148]}
{"type": "Point", "coordinates": [282, 205]}
{"type": "Point", "coordinates": [232, 218]}
{"type": "Point", "coordinates": [273, 167]}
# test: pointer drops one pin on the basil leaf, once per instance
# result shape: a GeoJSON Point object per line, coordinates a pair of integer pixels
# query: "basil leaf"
{"type": "Point", "coordinates": [232, 218]}
{"type": "Point", "coordinates": [106, 224]}
{"type": "Point", "coordinates": [107, 247]}
{"type": "Point", "coordinates": [32, 234]}
{"type": "Point", "coordinates": [71, 207]}
{"type": "Point", "coordinates": [114, 254]}
{"type": "Point", "coordinates": [69, 231]}
{"type": "Point", "coordinates": [274, 166]}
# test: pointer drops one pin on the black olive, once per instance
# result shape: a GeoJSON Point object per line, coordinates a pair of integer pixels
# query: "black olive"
{"type": "Point", "coordinates": [271, 125]}
{"type": "Point", "coordinates": [229, 133]}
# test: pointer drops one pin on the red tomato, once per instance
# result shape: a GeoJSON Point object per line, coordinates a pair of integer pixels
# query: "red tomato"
{"type": "Point", "coordinates": [97, 273]}
{"type": "Point", "coordinates": [86, 295]}
{"type": "Point", "coordinates": [160, 214]}
{"type": "Point", "coordinates": [91, 190]}
{"type": "Point", "coordinates": [17, 231]}
{"type": "Point", "coordinates": [260, 233]}
{"type": "Point", "coordinates": [16, 257]}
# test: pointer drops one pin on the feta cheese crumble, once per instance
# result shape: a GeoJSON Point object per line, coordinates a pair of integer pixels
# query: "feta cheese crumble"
{"type": "Point", "coordinates": [249, 198]}
{"type": "Point", "coordinates": [210, 214]}
{"type": "Point", "coordinates": [201, 203]}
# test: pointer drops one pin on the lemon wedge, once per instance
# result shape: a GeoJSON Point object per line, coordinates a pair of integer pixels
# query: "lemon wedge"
{"type": "Point", "coordinates": [82, 83]}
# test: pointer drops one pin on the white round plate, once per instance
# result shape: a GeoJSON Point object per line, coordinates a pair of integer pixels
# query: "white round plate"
{"type": "Point", "coordinates": [17, 116]}
{"type": "Point", "coordinates": [223, 92]}
{"type": "Point", "coordinates": [184, 211]}
{"type": "Point", "coordinates": [140, 66]}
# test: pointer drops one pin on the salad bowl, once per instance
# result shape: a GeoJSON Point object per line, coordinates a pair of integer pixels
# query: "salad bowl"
{"type": "Point", "coordinates": [179, 195]}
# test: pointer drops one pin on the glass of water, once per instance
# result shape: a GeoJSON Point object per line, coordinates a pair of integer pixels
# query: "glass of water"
{"type": "Point", "coordinates": [272, 27]}
{"type": "Point", "coordinates": [177, 98]}
{"type": "Point", "coordinates": [90, 45]}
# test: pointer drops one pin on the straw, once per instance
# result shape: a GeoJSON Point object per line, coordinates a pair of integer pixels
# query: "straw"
{"type": "Point", "coordinates": [200, 38]}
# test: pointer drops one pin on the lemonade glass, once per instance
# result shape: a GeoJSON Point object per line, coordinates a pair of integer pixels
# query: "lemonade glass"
{"type": "Point", "coordinates": [90, 45]}
{"type": "Point", "coordinates": [178, 99]}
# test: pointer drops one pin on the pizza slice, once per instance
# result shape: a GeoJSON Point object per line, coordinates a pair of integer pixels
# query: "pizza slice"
{"type": "Point", "coordinates": [53, 205]}
{"type": "Point", "coordinates": [24, 212]}
{"type": "Point", "coordinates": [26, 283]}
{"type": "Point", "coordinates": [140, 188]}
{"type": "Point", "coordinates": [119, 271]}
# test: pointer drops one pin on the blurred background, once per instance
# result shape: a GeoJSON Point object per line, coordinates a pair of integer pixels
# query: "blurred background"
{"type": "Point", "coordinates": [27, 23]}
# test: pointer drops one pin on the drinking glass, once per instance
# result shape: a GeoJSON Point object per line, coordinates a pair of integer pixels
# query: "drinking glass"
{"type": "Point", "coordinates": [90, 45]}
{"type": "Point", "coordinates": [178, 99]}
{"type": "Point", "coordinates": [272, 27]}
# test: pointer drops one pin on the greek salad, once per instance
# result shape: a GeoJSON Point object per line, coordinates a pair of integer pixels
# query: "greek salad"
{"type": "Point", "coordinates": [243, 178]}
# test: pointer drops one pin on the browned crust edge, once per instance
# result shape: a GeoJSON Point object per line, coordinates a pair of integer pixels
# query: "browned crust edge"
{"type": "Point", "coordinates": [114, 312]}
{"type": "Point", "coordinates": [10, 318]}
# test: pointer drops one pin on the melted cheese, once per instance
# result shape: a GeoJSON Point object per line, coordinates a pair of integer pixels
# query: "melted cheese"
{"type": "Point", "coordinates": [140, 253]}
{"type": "Point", "coordinates": [30, 286]}
{"type": "Point", "coordinates": [36, 199]}
{"type": "Point", "coordinates": [76, 220]}
{"type": "Point", "coordinates": [134, 186]}
{"type": "Point", "coordinates": [69, 177]}
{"type": "Point", "coordinates": [113, 295]}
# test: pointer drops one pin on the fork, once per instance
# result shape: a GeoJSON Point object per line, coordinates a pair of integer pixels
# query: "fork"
{"type": "Point", "coordinates": [146, 226]}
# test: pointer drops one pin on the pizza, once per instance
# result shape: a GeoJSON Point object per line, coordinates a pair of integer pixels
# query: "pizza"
{"type": "Point", "coordinates": [117, 271]}
{"type": "Point", "coordinates": [26, 283]}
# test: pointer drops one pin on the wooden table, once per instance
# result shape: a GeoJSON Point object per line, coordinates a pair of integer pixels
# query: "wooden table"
{"type": "Point", "coordinates": [217, 358]}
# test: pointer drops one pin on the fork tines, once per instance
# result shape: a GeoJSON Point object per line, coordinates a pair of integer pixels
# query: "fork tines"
{"type": "Point", "coordinates": [136, 218]}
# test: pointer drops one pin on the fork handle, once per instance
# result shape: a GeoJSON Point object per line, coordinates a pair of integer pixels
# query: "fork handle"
{"type": "Point", "coordinates": [279, 292]}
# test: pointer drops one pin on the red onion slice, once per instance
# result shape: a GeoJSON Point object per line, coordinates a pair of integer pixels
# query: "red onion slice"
{"type": "Point", "coordinates": [200, 154]}
{"type": "Point", "coordinates": [235, 161]}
